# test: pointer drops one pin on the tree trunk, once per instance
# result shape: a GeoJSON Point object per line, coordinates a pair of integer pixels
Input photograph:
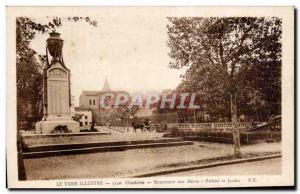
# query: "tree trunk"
{"type": "Point", "coordinates": [235, 131]}
{"type": "Point", "coordinates": [127, 122]}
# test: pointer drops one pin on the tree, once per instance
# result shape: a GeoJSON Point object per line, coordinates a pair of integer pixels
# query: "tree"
{"type": "Point", "coordinates": [210, 89]}
{"type": "Point", "coordinates": [133, 111]}
{"type": "Point", "coordinates": [225, 57]}
{"type": "Point", "coordinates": [30, 65]}
{"type": "Point", "coordinates": [29, 68]}
{"type": "Point", "coordinates": [124, 113]}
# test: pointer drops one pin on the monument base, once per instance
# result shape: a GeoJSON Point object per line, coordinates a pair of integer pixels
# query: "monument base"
{"type": "Point", "coordinates": [47, 127]}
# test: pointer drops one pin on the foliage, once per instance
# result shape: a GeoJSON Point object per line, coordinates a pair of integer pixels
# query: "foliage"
{"type": "Point", "coordinates": [122, 113]}
{"type": "Point", "coordinates": [227, 56]}
{"type": "Point", "coordinates": [29, 64]}
{"type": "Point", "coordinates": [77, 117]}
{"type": "Point", "coordinates": [226, 137]}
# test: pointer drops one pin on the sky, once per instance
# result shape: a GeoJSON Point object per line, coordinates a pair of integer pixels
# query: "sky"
{"type": "Point", "coordinates": [131, 52]}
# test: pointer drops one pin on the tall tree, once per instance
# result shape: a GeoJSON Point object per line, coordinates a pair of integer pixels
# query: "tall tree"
{"type": "Point", "coordinates": [225, 57]}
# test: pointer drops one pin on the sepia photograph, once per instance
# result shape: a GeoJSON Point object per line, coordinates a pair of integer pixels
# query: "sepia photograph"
{"type": "Point", "coordinates": [150, 97]}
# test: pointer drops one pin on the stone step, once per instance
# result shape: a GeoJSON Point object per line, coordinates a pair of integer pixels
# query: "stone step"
{"type": "Point", "coordinates": [40, 154]}
{"type": "Point", "coordinates": [52, 147]}
{"type": "Point", "coordinates": [28, 136]}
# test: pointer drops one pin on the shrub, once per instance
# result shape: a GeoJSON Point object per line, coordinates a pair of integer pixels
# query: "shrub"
{"type": "Point", "coordinates": [174, 130]}
{"type": "Point", "coordinates": [226, 137]}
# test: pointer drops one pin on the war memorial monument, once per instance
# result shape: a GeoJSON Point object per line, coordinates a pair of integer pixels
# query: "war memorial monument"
{"type": "Point", "coordinates": [57, 91]}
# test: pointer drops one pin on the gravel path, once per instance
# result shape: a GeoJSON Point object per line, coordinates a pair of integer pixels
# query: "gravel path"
{"type": "Point", "coordinates": [126, 163]}
{"type": "Point", "coordinates": [264, 167]}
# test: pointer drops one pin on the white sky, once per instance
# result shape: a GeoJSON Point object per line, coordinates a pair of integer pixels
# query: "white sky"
{"type": "Point", "coordinates": [130, 51]}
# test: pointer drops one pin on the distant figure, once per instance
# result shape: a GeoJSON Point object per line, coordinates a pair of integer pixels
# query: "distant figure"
{"type": "Point", "coordinates": [134, 129]}
{"type": "Point", "coordinates": [146, 124]}
{"type": "Point", "coordinates": [135, 126]}
{"type": "Point", "coordinates": [165, 127]}
{"type": "Point", "coordinates": [93, 127]}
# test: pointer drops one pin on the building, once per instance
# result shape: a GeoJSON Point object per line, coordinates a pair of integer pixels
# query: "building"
{"type": "Point", "coordinates": [84, 117]}
{"type": "Point", "coordinates": [90, 100]}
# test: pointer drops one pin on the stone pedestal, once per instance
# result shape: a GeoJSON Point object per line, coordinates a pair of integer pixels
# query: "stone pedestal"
{"type": "Point", "coordinates": [57, 102]}
{"type": "Point", "coordinates": [46, 127]}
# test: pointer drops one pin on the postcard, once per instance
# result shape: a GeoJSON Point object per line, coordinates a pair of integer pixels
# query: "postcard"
{"type": "Point", "coordinates": [150, 97]}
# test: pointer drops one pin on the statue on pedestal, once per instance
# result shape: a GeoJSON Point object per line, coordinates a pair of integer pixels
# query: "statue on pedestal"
{"type": "Point", "coordinates": [57, 92]}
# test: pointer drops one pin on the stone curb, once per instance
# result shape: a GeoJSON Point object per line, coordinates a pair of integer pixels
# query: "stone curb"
{"type": "Point", "coordinates": [41, 154]}
{"type": "Point", "coordinates": [64, 134]}
{"type": "Point", "coordinates": [203, 166]}
{"type": "Point", "coordinates": [66, 146]}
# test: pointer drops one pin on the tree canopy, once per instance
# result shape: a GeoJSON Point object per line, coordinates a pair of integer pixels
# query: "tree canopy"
{"type": "Point", "coordinates": [225, 56]}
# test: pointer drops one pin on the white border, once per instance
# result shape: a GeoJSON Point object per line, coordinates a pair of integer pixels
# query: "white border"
{"type": "Point", "coordinates": [95, 2]}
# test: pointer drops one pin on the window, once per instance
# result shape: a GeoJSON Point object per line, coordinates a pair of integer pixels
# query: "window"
{"type": "Point", "coordinates": [81, 124]}
{"type": "Point", "coordinates": [93, 102]}
{"type": "Point", "coordinates": [85, 117]}
{"type": "Point", "coordinates": [90, 102]}
{"type": "Point", "coordinates": [86, 122]}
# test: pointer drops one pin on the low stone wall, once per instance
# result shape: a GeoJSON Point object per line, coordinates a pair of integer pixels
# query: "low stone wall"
{"type": "Point", "coordinates": [226, 137]}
